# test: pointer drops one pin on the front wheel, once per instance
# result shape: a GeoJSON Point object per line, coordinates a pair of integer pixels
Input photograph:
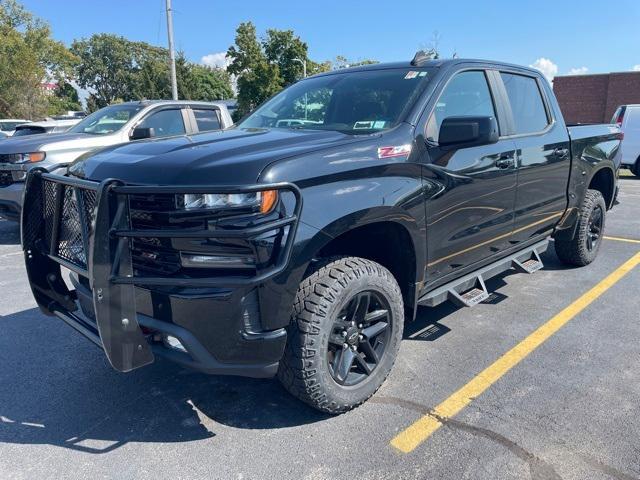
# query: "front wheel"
{"type": "Point", "coordinates": [344, 335]}
{"type": "Point", "coordinates": [583, 248]}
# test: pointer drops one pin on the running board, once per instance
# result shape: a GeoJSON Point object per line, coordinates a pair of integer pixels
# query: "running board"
{"type": "Point", "coordinates": [470, 290]}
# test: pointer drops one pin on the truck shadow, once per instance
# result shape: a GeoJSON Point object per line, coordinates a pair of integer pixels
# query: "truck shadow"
{"type": "Point", "coordinates": [9, 232]}
{"type": "Point", "coordinates": [58, 389]}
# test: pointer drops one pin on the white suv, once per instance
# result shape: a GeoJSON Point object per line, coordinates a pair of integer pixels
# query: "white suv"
{"type": "Point", "coordinates": [628, 119]}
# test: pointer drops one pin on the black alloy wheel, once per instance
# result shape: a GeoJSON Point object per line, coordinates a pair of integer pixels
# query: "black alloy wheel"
{"type": "Point", "coordinates": [359, 338]}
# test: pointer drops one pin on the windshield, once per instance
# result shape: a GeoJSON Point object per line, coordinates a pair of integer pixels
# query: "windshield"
{"type": "Point", "coordinates": [350, 102]}
{"type": "Point", "coordinates": [107, 120]}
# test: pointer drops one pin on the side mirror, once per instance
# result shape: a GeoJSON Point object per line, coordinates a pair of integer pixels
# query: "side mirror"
{"type": "Point", "coordinates": [140, 133]}
{"type": "Point", "coordinates": [468, 131]}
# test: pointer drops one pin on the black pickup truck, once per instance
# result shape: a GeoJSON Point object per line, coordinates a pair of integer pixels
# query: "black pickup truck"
{"type": "Point", "coordinates": [298, 242]}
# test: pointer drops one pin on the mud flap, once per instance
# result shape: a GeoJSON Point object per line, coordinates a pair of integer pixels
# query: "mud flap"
{"type": "Point", "coordinates": [114, 305]}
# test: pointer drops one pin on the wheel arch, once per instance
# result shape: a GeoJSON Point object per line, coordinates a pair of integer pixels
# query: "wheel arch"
{"type": "Point", "coordinates": [390, 240]}
{"type": "Point", "coordinates": [604, 181]}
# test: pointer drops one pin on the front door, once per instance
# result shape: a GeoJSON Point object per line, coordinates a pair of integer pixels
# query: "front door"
{"type": "Point", "coordinates": [473, 190]}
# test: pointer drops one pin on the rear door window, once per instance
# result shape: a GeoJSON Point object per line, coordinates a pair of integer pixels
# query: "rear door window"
{"type": "Point", "coordinates": [527, 105]}
{"type": "Point", "coordinates": [207, 119]}
{"type": "Point", "coordinates": [165, 123]}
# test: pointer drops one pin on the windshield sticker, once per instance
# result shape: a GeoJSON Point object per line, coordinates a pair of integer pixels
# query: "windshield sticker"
{"type": "Point", "coordinates": [363, 125]}
{"type": "Point", "coordinates": [379, 124]}
{"type": "Point", "coordinates": [411, 74]}
{"type": "Point", "coordinates": [394, 151]}
{"type": "Point", "coordinates": [423, 74]}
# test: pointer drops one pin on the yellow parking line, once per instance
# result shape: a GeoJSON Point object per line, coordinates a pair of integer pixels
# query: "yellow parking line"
{"type": "Point", "coordinates": [620, 239]}
{"type": "Point", "coordinates": [410, 438]}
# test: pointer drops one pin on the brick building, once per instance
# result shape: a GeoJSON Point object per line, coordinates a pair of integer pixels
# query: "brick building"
{"type": "Point", "coordinates": [594, 98]}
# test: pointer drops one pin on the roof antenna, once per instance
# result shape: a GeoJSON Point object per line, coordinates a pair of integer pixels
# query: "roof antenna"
{"type": "Point", "coordinates": [420, 57]}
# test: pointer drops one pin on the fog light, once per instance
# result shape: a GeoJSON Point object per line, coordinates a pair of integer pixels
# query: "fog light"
{"type": "Point", "coordinates": [173, 343]}
{"type": "Point", "coordinates": [18, 175]}
{"type": "Point", "coordinates": [216, 261]}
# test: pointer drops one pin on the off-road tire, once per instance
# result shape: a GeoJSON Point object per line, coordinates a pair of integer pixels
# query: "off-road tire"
{"type": "Point", "coordinates": [575, 251]}
{"type": "Point", "coordinates": [304, 369]}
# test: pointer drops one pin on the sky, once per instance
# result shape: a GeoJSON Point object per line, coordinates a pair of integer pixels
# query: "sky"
{"type": "Point", "coordinates": [559, 37]}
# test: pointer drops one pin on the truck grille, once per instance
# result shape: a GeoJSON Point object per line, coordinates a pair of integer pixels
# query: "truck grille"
{"type": "Point", "coordinates": [155, 256]}
{"type": "Point", "coordinates": [5, 179]}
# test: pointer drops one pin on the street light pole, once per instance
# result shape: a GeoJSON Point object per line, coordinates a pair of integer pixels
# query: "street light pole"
{"type": "Point", "coordinates": [172, 53]}
{"type": "Point", "coordinates": [304, 66]}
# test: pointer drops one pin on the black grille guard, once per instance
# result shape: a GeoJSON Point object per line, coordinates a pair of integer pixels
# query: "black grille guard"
{"type": "Point", "coordinates": [106, 238]}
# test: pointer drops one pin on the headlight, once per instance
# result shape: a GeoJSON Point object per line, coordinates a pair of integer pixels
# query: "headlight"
{"type": "Point", "coordinates": [262, 202]}
{"type": "Point", "coordinates": [30, 157]}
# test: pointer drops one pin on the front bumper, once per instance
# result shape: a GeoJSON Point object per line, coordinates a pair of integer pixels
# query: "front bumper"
{"type": "Point", "coordinates": [128, 315]}
{"type": "Point", "coordinates": [11, 193]}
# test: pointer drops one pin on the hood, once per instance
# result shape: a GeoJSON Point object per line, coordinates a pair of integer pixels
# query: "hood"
{"type": "Point", "coordinates": [230, 157]}
{"type": "Point", "coordinates": [43, 141]}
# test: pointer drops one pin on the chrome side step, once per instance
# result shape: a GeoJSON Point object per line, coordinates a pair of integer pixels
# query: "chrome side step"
{"type": "Point", "coordinates": [470, 290]}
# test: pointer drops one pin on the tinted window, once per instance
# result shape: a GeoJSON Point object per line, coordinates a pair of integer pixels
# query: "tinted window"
{"type": "Point", "coordinates": [353, 102]}
{"type": "Point", "coordinates": [526, 101]}
{"type": "Point", "coordinates": [207, 119]}
{"type": "Point", "coordinates": [165, 123]}
{"type": "Point", "coordinates": [29, 131]}
{"type": "Point", "coordinates": [467, 94]}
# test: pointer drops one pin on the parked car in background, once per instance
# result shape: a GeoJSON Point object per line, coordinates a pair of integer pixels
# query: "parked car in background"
{"type": "Point", "coordinates": [8, 125]}
{"type": "Point", "coordinates": [628, 119]}
{"type": "Point", "coordinates": [47, 126]}
{"type": "Point", "coordinates": [298, 242]}
{"type": "Point", "coordinates": [109, 126]}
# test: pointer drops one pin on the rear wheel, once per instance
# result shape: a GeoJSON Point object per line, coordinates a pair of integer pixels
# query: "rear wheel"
{"type": "Point", "coordinates": [583, 248]}
{"type": "Point", "coordinates": [344, 335]}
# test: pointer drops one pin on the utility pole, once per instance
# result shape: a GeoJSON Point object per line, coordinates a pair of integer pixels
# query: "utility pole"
{"type": "Point", "coordinates": [172, 53]}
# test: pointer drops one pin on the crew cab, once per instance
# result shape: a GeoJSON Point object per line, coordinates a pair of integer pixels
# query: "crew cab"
{"type": "Point", "coordinates": [109, 126]}
{"type": "Point", "coordinates": [299, 242]}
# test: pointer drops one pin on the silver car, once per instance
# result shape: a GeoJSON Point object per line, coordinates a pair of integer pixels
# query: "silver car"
{"type": "Point", "coordinates": [109, 126]}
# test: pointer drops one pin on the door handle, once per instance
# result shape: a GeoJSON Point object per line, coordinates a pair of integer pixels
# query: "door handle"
{"type": "Point", "coordinates": [505, 162]}
{"type": "Point", "coordinates": [560, 152]}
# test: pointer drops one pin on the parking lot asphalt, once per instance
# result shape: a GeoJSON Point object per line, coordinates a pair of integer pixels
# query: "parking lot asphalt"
{"type": "Point", "coordinates": [567, 410]}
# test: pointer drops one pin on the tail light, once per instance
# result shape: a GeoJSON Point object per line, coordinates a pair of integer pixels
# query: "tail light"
{"type": "Point", "coordinates": [620, 117]}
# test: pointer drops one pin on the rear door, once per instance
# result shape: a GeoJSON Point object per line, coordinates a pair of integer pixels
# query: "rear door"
{"type": "Point", "coordinates": [543, 156]}
{"type": "Point", "coordinates": [470, 216]}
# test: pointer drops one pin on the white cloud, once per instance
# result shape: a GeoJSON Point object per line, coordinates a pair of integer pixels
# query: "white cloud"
{"type": "Point", "coordinates": [217, 60]}
{"type": "Point", "coordinates": [636, 68]}
{"type": "Point", "coordinates": [578, 71]}
{"type": "Point", "coordinates": [547, 67]}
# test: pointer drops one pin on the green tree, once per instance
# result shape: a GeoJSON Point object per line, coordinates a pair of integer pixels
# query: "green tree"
{"type": "Point", "coordinates": [257, 79]}
{"type": "Point", "coordinates": [28, 57]}
{"type": "Point", "coordinates": [64, 98]}
{"type": "Point", "coordinates": [115, 68]}
{"type": "Point", "coordinates": [203, 83]}
{"type": "Point", "coordinates": [107, 67]}
{"type": "Point", "coordinates": [283, 48]}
